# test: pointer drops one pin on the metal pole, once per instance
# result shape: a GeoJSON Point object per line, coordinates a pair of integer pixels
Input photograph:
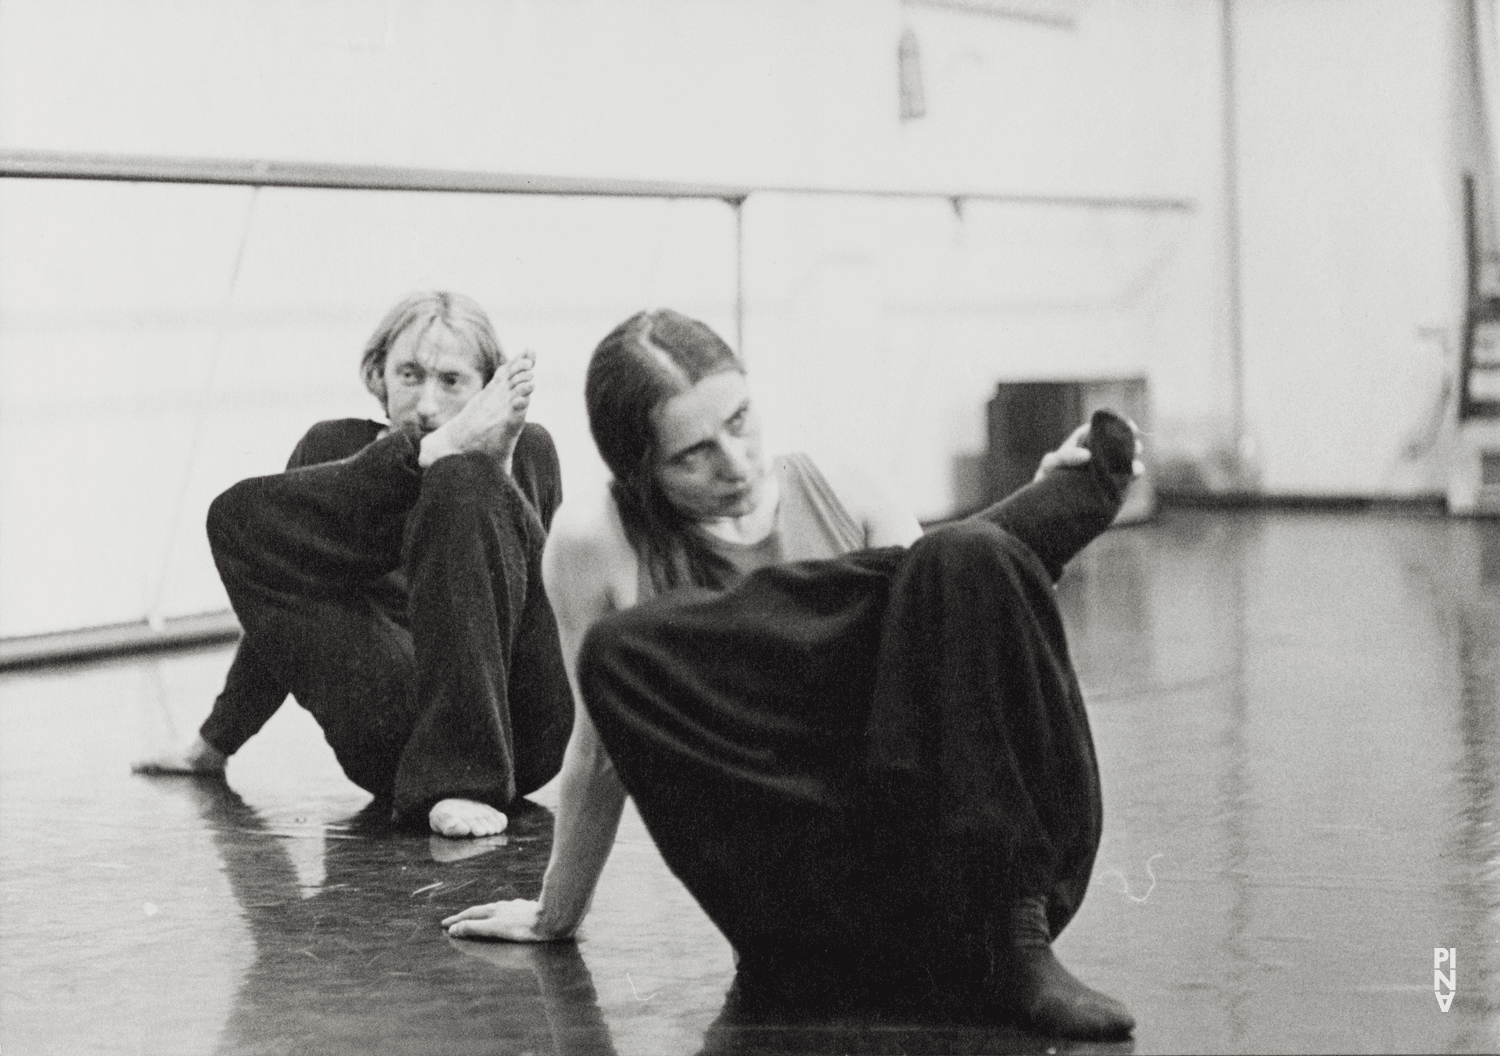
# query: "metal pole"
{"type": "Point", "coordinates": [135, 168]}
{"type": "Point", "coordinates": [739, 276]}
{"type": "Point", "coordinates": [131, 168]}
{"type": "Point", "coordinates": [1234, 278]}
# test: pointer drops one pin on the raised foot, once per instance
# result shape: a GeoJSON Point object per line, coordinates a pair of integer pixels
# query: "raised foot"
{"type": "Point", "coordinates": [513, 401]}
{"type": "Point", "coordinates": [196, 757]}
{"type": "Point", "coordinates": [463, 818]}
{"type": "Point", "coordinates": [1115, 442]}
{"type": "Point", "coordinates": [1046, 998]}
{"type": "Point", "coordinates": [491, 422]}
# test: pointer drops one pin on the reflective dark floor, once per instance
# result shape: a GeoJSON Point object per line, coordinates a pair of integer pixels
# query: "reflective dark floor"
{"type": "Point", "coordinates": [1297, 723]}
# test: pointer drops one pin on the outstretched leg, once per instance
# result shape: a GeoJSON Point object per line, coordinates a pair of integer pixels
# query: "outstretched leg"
{"type": "Point", "coordinates": [1063, 512]}
{"type": "Point", "coordinates": [298, 553]}
{"type": "Point", "coordinates": [251, 695]}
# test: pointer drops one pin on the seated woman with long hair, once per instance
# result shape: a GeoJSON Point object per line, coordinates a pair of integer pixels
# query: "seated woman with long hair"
{"type": "Point", "coordinates": [861, 748]}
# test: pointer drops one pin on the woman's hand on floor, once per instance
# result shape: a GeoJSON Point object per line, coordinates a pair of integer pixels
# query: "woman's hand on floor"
{"type": "Point", "coordinates": [512, 921]}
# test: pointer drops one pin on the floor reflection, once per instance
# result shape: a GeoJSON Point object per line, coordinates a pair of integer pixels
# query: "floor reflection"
{"type": "Point", "coordinates": [358, 965]}
{"type": "Point", "coordinates": [739, 1033]}
{"type": "Point", "coordinates": [1298, 722]}
{"type": "Point", "coordinates": [1476, 831]}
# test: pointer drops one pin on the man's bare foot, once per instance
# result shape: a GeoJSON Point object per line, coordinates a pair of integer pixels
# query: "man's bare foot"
{"type": "Point", "coordinates": [491, 422]}
{"type": "Point", "coordinates": [465, 817]}
{"type": "Point", "coordinates": [195, 757]}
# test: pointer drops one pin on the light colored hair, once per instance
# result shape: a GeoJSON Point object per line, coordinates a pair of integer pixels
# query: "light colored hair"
{"type": "Point", "coordinates": [419, 312]}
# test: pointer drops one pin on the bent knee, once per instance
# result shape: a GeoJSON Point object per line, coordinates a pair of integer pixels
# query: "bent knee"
{"type": "Point", "coordinates": [624, 647]}
{"type": "Point", "coordinates": [601, 657]}
{"type": "Point", "coordinates": [976, 547]}
{"type": "Point", "coordinates": [227, 516]}
{"type": "Point", "coordinates": [971, 539]}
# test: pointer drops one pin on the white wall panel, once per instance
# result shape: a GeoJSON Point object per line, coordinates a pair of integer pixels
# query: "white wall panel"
{"type": "Point", "coordinates": [1351, 232]}
{"type": "Point", "coordinates": [137, 381]}
{"type": "Point", "coordinates": [877, 327]}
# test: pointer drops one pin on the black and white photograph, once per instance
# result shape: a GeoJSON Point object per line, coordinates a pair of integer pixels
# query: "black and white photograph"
{"type": "Point", "coordinates": [749, 527]}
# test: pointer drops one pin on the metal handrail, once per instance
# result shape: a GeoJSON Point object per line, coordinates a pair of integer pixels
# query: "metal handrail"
{"type": "Point", "coordinates": [148, 168]}
{"type": "Point", "coordinates": [143, 168]}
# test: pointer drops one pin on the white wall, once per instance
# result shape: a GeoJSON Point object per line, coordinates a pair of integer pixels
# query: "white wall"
{"type": "Point", "coordinates": [758, 90]}
{"type": "Point", "coordinates": [1353, 260]}
{"type": "Point", "coordinates": [137, 379]}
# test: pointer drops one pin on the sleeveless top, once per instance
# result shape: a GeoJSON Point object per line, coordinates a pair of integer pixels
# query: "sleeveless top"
{"type": "Point", "coordinates": [811, 524]}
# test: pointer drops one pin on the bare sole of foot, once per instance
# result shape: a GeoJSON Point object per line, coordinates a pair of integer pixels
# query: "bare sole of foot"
{"type": "Point", "coordinates": [491, 422]}
{"type": "Point", "coordinates": [518, 388]}
{"type": "Point", "coordinates": [465, 818]}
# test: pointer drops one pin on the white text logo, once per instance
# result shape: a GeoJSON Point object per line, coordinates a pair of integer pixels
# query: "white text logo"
{"type": "Point", "coordinates": [1441, 979]}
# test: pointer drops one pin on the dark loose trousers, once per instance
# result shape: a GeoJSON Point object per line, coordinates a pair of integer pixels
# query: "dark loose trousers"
{"type": "Point", "coordinates": [462, 692]}
{"type": "Point", "coordinates": [855, 764]}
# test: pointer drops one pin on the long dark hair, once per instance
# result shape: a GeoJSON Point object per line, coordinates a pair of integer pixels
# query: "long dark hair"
{"type": "Point", "coordinates": [645, 361]}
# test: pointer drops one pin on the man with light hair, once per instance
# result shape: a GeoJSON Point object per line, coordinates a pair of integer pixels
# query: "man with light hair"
{"type": "Point", "coordinates": [390, 580]}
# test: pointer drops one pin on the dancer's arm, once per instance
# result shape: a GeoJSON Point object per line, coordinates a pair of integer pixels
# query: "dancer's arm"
{"type": "Point", "coordinates": [591, 800]}
{"type": "Point", "coordinates": [589, 571]}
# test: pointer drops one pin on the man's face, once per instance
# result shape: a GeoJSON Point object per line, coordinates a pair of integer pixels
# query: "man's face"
{"type": "Point", "coordinates": [428, 379]}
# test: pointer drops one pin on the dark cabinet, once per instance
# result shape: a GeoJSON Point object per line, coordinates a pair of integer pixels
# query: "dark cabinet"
{"type": "Point", "coordinates": [1029, 418]}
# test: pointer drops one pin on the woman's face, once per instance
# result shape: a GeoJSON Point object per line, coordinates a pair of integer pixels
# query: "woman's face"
{"type": "Point", "coordinates": [709, 462]}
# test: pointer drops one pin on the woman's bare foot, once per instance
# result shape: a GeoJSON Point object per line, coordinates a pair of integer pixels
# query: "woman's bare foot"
{"type": "Point", "coordinates": [491, 422]}
{"type": "Point", "coordinates": [464, 817]}
{"type": "Point", "coordinates": [195, 757]}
